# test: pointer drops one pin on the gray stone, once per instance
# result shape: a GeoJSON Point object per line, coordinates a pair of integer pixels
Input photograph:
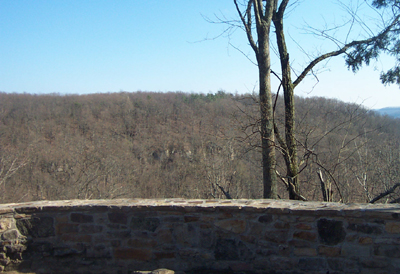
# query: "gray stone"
{"type": "Point", "coordinates": [10, 235]}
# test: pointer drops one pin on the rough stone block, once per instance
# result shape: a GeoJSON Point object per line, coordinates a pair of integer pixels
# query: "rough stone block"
{"type": "Point", "coordinates": [282, 263]}
{"type": "Point", "coordinates": [329, 251]}
{"type": "Point", "coordinates": [5, 262]}
{"type": "Point", "coordinates": [164, 255]}
{"type": "Point", "coordinates": [355, 250]}
{"type": "Point", "coordinates": [99, 251]}
{"type": "Point", "coordinates": [90, 229]}
{"type": "Point", "coordinates": [235, 226]}
{"type": "Point", "coordinates": [312, 264]}
{"type": "Point", "coordinates": [305, 235]}
{"type": "Point", "coordinates": [36, 227]}
{"type": "Point", "coordinates": [165, 236]}
{"type": "Point", "coordinates": [10, 235]}
{"type": "Point", "coordinates": [300, 243]}
{"type": "Point", "coordinates": [119, 234]}
{"type": "Point", "coordinates": [393, 227]}
{"type": "Point", "coordinates": [375, 262]}
{"type": "Point", "coordinates": [76, 238]}
{"type": "Point", "coordinates": [117, 217]}
{"type": "Point", "coordinates": [265, 219]}
{"type": "Point", "coordinates": [277, 236]}
{"type": "Point", "coordinates": [133, 254]}
{"type": "Point", "coordinates": [186, 235]}
{"type": "Point", "coordinates": [226, 249]}
{"type": "Point", "coordinates": [306, 251]}
{"type": "Point", "coordinates": [365, 240]}
{"type": "Point", "coordinates": [81, 218]}
{"type": "Point", "coordinates": [365, 228]}
{"type": "Point", "coordinates": [303, 226]}
{"type": "Point", "coordinates": [65, 251]}
{"type": "Point", "coordinates": [15, 248]}
{"type": "Point", "coordinates": [281, 225]}
{"type": "Point", "coordinates": [390, 251]}
{"type": "Point", "coordinates": [67, 228]}
{"type": "Point", "coordinates": [345, 265]}
{"type": "Point", "coordinates": [142, 243]}
{"type": "Point", "coordinates": [191, 218]}
{"type": "Point", "coordinates": [330, 232]}
{"type": "Point", "coordinates": [141, 223]}
{"type": "Point", "coordinates": [5, 224]}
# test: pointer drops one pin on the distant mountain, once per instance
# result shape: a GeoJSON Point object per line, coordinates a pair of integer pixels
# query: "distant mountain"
{"type": "Point", "coordinates": [391, 111]}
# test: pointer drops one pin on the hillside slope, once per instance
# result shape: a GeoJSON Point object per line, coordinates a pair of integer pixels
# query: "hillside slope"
{"type": "Point", "coordinates": [154, 145]}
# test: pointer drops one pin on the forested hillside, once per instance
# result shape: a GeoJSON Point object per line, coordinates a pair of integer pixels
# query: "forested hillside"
{"type": "Point", "coordinates": [154, 145]}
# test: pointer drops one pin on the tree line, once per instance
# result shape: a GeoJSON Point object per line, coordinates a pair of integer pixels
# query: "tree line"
{"type": "Point", "coordinates": [156, 145]}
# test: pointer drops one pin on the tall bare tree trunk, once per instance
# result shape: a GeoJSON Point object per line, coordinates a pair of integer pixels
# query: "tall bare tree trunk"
{"type": "Point", "coordinates": [267, 127]}
{"type": "Point", "coordinates": [263, 24]}
{"type": "Point", "coordinates": [288, 89]}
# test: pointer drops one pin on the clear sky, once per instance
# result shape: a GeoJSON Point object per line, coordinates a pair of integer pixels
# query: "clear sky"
{"type": "Point", "coordinates": [90, 46]}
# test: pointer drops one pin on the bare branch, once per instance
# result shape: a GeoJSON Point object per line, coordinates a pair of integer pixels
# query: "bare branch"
{"type": "Point", "coordinates": [384, 194]}
{"type": "Point", "coordinates": [344, 49]}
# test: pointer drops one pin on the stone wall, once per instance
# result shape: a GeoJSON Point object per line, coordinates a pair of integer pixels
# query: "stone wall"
{"type": "Point", "coordinates": [199, 236]}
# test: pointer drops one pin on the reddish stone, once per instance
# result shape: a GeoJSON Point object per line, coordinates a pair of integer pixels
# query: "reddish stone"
{"type": "Point", "coordinates": [305, 235]}
{"type": "Point", "coordinates": [66, 228]}
{"type": "Point", "coordinates": [236, 226]}
{"type": "Point", "coordinates": [365, 240]}
{"type": "Point", "coordinates": [303, 226]}
{"type": "Point", "coordinates": [329, 251]}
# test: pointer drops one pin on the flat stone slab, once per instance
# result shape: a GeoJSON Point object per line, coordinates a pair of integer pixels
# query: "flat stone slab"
{"type": "Point", "coordinates": [386, 211]}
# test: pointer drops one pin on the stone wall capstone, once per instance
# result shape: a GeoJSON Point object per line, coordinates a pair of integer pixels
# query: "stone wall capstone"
{"type": "Point", "coordinates": [199, 236]}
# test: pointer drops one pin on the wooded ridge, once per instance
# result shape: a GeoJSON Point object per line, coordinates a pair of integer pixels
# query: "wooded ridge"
{"type": "Point", "coordinates": [153, 145]}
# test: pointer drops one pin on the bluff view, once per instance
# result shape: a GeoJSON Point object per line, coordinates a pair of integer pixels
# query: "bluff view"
{"type": "Point", "coordinates": [157, 145]}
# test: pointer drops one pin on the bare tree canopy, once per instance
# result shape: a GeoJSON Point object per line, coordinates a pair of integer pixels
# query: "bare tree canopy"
{"type": "Point", "coordinates": [257, 17]}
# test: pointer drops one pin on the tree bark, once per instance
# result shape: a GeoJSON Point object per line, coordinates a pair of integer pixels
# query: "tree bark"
{"type": "Point", "coordinates": [263, 18]}
{"type": "Point", "coordinates": [288, 89]}
{"type": "Point", "coordinates": [263, 26]}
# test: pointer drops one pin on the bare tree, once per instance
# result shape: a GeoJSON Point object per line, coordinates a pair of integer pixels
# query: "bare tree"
{"type": "Point", "coordinates": [265, 13]}
{"type": "Point", "coordinates": [10, 163]}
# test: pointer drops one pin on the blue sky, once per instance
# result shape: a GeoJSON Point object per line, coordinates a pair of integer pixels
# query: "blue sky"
{"type": "Point", "coordinates": [90, 46]}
